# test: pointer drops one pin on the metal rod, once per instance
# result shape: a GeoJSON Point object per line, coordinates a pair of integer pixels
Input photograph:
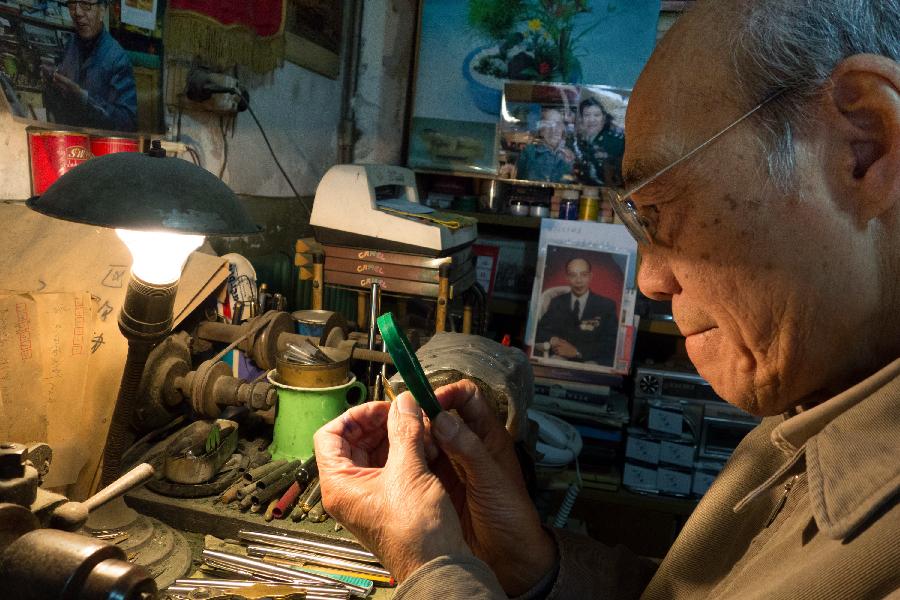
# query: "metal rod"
{"type": "Point", "coordinates": [190, 585]}
{"type": "Point", "coordinates": [292, 542]}
{"type": "Point", "coordinates": [275, 572]}
{"type": "Point", "coordinates": [136, 477]}
{"type": "Point", "coordinates": [319, 559]}
{"type": "Point", "coordinates": [374, 308]}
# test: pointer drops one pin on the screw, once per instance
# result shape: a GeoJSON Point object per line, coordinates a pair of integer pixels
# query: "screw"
{"type": "Point", "coordinates": [12, 460]}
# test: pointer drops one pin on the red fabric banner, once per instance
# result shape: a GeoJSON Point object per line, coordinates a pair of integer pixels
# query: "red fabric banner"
{"type": "Point", "coordinates": [263, 17]}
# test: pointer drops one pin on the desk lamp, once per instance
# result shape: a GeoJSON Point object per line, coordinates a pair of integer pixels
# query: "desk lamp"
{"type": "Point", "coordinates": [161, 208]}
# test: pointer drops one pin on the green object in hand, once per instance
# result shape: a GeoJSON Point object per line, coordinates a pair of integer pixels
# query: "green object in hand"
{"type": "Point", "coordinates": [408, 365]}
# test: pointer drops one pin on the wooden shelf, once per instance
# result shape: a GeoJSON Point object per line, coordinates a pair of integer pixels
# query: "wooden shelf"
{"type": "Point", "coordinates": [476, 175]}
{"type": "Point", "coordinates": [500, 219]}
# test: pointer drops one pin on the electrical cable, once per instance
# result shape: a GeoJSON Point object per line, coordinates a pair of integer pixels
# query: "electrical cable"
{"type": "Point", "coordinates": [275, 158]}
{"type": "Point", "coordinates": [565, 509]}
{"type": "Point", "coordinates": [224, 146]}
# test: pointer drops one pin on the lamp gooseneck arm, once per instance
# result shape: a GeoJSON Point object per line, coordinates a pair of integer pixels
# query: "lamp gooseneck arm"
{"type": "Point", "coordinates": [145, 319]}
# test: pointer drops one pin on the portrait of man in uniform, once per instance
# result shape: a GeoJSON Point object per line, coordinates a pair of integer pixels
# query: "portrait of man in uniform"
{"type": "Point", "coordinates": [578, 308]}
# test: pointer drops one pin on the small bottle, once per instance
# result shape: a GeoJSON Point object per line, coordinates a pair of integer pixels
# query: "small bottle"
{"type": "Point", "coordinates": [589, 208]}
{"type": "Point", "coordinates": [568, 205]}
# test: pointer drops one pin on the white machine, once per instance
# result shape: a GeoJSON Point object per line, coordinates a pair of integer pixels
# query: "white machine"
{"type": "Point", "coordinates": [377, 207]}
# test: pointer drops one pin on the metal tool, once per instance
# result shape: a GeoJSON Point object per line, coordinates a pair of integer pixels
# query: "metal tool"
{"type": "Point", "coordinates": [275, 573]}
{"type": "Point", "coordinates": [298, 542]}
{"type": "Point", "coordinates": [318, 559]}
{"type": "Point", "coordinates": [255, 589]}
{"type": "Point", "coordinates": [72, 515]}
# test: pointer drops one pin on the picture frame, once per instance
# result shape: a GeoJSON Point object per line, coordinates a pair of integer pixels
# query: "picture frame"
{"type": "Point", "coordinates": [581, 315]}
{"type": "Point", "coordinates": [561, 133]}
{"type": "Point", "coordinates": [39, 80]}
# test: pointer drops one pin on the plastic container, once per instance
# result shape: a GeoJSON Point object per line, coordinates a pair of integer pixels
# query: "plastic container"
{"type": "Point", "coordinates": [589, 208]}
{"type": "Point", "coordinates": [568, 205]}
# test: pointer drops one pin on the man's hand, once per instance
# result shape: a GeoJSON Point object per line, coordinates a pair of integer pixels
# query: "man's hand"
{"type": "Point", "coordinates": [485, 481]}
{"type": "Point", "coordinates": [376, 483]}
{"type": "Point", "coordinates": [65, 85]}
{"type": "Point", "coordinates": [563, 348]}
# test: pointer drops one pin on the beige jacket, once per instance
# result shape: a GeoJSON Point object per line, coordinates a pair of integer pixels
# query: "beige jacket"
{"type": "Point", "coordinates": [806, 508]}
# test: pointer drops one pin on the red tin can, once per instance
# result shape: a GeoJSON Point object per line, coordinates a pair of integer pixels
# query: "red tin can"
{"type": "Point", "coordinates": [108, 145]}
{"type": "Point", "coordinates": [52, 154]}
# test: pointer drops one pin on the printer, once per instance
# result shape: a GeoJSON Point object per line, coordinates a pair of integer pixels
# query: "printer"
{"type": "Point", "coordinates": [376, 207]}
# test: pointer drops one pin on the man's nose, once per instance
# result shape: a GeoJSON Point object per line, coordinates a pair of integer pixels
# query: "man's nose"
{"type": "Point", "coordinates": [655, 277]}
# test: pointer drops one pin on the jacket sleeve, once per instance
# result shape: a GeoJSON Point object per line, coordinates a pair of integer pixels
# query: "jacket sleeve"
{"type": "Point", "coordinates": [587, 569]}
{"type": "Point", "coordinates": [118, 110]}
{"type": "Point", "coordinates": [452, 578]}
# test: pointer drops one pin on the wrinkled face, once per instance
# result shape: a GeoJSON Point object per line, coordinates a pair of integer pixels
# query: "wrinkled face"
{"type": "Point", "coordinates": [552, 127]}
{"type": "Point", "coordinates": [87, 16]}
{"type": "Point", "coordinates": [578, 272]}
{"type": "Point", "coordinates": [772, 291]}
{"type": "Point", "coordinates": [592, 120]}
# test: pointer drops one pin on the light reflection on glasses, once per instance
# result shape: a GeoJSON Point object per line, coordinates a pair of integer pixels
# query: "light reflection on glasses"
{"type": "Point", "coordinates": [642, 227]}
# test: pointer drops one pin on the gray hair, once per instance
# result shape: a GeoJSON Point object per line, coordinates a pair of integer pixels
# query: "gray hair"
{"type": "Point", "coordinates": [791, 47]}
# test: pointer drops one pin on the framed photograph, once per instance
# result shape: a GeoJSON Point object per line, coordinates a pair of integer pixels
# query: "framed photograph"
{"type": "Point", "coordinates": [50, 76]}
{"type": "Point", "coordinates": [563, 133]}
{"type": "Point", "coordinates": [452, 145]}
{"type": "Point", "coordinates": [468, 50]}
{"type": "Point", "coordinates": [582, 304]}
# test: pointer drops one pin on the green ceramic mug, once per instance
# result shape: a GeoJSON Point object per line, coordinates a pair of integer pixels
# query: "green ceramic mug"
{"type": "Point", "coordinates": [302, 411]}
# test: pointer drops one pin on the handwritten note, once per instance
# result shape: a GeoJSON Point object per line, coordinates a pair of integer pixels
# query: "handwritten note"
{"type": "Point", "coordinates": [44, 343]}
{"type": "Point", "coordinates": [43, 370]}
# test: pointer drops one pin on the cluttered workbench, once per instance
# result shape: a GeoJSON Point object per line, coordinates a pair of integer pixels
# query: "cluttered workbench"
{"type": "Point", "coordinates": [208, 486]}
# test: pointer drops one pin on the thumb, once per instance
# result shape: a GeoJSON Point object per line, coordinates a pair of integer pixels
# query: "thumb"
{"type": "Point", "coordinates": [406, 434]}
{"type": "Point", "coordinates": [464, 447]}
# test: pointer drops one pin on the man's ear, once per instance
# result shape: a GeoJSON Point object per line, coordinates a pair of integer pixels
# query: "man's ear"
{"type": "Point", "coordinates": [865, 93]}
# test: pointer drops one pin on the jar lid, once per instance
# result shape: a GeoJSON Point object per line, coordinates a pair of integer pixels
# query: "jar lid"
{"type": "Point", "coordinates": [571, 194]}
{"type": "Point", "coordinates": [590, 192]}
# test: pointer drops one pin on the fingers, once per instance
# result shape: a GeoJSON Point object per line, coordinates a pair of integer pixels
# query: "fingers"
{"type": "Point", "coordinates": [465, 397]}
{"type": "Point", "coordinates": [464, 447]}
{"type": "Point", "coordinates": [349, 438]}
{"type": "Point", "coordinates": [361, 422]}
{"type": "Point", "coordinates": [406, 434]}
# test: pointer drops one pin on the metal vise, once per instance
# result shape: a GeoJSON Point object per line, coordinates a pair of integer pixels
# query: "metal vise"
{"type": "Point", "coordinates": [41, 563]}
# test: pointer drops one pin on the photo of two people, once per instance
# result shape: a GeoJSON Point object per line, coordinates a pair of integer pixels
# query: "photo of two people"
{"type": "Point", "coordinates": [562, 133]}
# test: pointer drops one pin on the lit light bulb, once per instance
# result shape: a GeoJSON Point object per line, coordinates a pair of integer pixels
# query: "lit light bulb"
{"type": "Point", "coordinates": [158, 256]}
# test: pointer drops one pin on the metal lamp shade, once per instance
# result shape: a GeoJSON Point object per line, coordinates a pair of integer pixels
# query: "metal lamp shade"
{"type": "Point", "coordinates": [129, 190]}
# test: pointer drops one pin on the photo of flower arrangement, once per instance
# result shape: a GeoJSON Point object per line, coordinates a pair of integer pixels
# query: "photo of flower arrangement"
{"type": "Point", "coordinates": [468, 50]}
{"type": "Point", "coordinates": [532, 41]}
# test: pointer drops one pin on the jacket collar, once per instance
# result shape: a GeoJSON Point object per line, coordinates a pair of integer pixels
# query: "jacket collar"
{"type": "Point", "coordinates": [850, 444]}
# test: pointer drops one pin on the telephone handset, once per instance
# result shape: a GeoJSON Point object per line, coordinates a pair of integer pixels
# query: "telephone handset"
{"type": "Point", "coordinates": [559, 443]}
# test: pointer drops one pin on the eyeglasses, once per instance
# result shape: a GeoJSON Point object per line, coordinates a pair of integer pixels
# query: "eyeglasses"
{"type": "Point", "coordinates": [641, 227]}
{"type": "Point", "coordinates": [84, 5]}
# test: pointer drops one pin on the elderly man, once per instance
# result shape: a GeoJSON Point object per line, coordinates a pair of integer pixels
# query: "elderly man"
{"type": "Point", "coordinates": [547, 158]}
{"type": "Point", "coordinates": [764, 153]}
{"type": "Point", "coordinates": [94, 85]}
